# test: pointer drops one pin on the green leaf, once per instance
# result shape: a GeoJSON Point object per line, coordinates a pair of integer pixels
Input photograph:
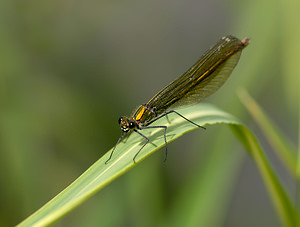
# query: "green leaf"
{"type": "Point", "coordinates": [285, 209]}
{"type": "Point", "coordinates": [279, 142]}
{"type": "Point", "coordinates": [101, 174]}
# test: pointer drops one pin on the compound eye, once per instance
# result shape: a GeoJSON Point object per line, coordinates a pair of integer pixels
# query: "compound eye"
{"type": "Point", "coordinates": [120, 120]}
{"type": "Point", "coordinates": [131, 125]}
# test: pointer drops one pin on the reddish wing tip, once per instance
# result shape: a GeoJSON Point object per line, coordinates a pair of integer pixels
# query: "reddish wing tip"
{"type": "Point", "coordinates": [245, 41]}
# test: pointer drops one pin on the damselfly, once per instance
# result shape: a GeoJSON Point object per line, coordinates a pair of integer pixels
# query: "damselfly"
{"type": "Point", "coordinates": [206, 76]}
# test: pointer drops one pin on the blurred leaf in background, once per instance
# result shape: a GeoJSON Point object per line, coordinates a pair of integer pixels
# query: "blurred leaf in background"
{"type": "Point", "coordinates": [69, 69]}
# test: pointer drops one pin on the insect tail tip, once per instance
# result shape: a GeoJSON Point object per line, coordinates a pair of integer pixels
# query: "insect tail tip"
{"type": "Point", "coordinates": [245, 41]}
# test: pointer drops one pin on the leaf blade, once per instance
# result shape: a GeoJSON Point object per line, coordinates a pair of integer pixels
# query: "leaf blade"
{"type": "Point", "coordinates": [99, 174]}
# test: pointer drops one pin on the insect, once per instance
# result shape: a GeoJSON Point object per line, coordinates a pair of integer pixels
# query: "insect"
{"type": "Point", "coordinates": [206, 76]}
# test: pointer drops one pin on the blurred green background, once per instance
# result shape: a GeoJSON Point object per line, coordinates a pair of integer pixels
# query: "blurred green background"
{"type": "Point", "coordinates": [69, 69]}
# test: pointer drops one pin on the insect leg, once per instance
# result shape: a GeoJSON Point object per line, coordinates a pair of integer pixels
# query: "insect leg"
{"type": "Point", "coordinates": [173, 111]}
{"type": "Point", "coordinates": [147, 141]}
{"type": "Point", "coordinates": [119, 140]}
{"type": "Point", "coordinates": [165, 137]}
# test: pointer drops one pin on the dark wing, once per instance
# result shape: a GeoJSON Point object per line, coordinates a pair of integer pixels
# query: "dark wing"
{"type": "Point", "coordinates": [205, 77]}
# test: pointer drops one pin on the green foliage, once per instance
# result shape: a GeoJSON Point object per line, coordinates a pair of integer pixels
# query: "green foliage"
{"type": "Point", "coordinates": [101, 174]}
{"type": "Point", "coordinates": [68, 71]}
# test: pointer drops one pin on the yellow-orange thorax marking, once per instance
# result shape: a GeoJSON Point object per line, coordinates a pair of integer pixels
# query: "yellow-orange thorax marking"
{"type": "Point", "coordinates": [143, 114]}
{"type": "Point", "coordinates": [140, 113]}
